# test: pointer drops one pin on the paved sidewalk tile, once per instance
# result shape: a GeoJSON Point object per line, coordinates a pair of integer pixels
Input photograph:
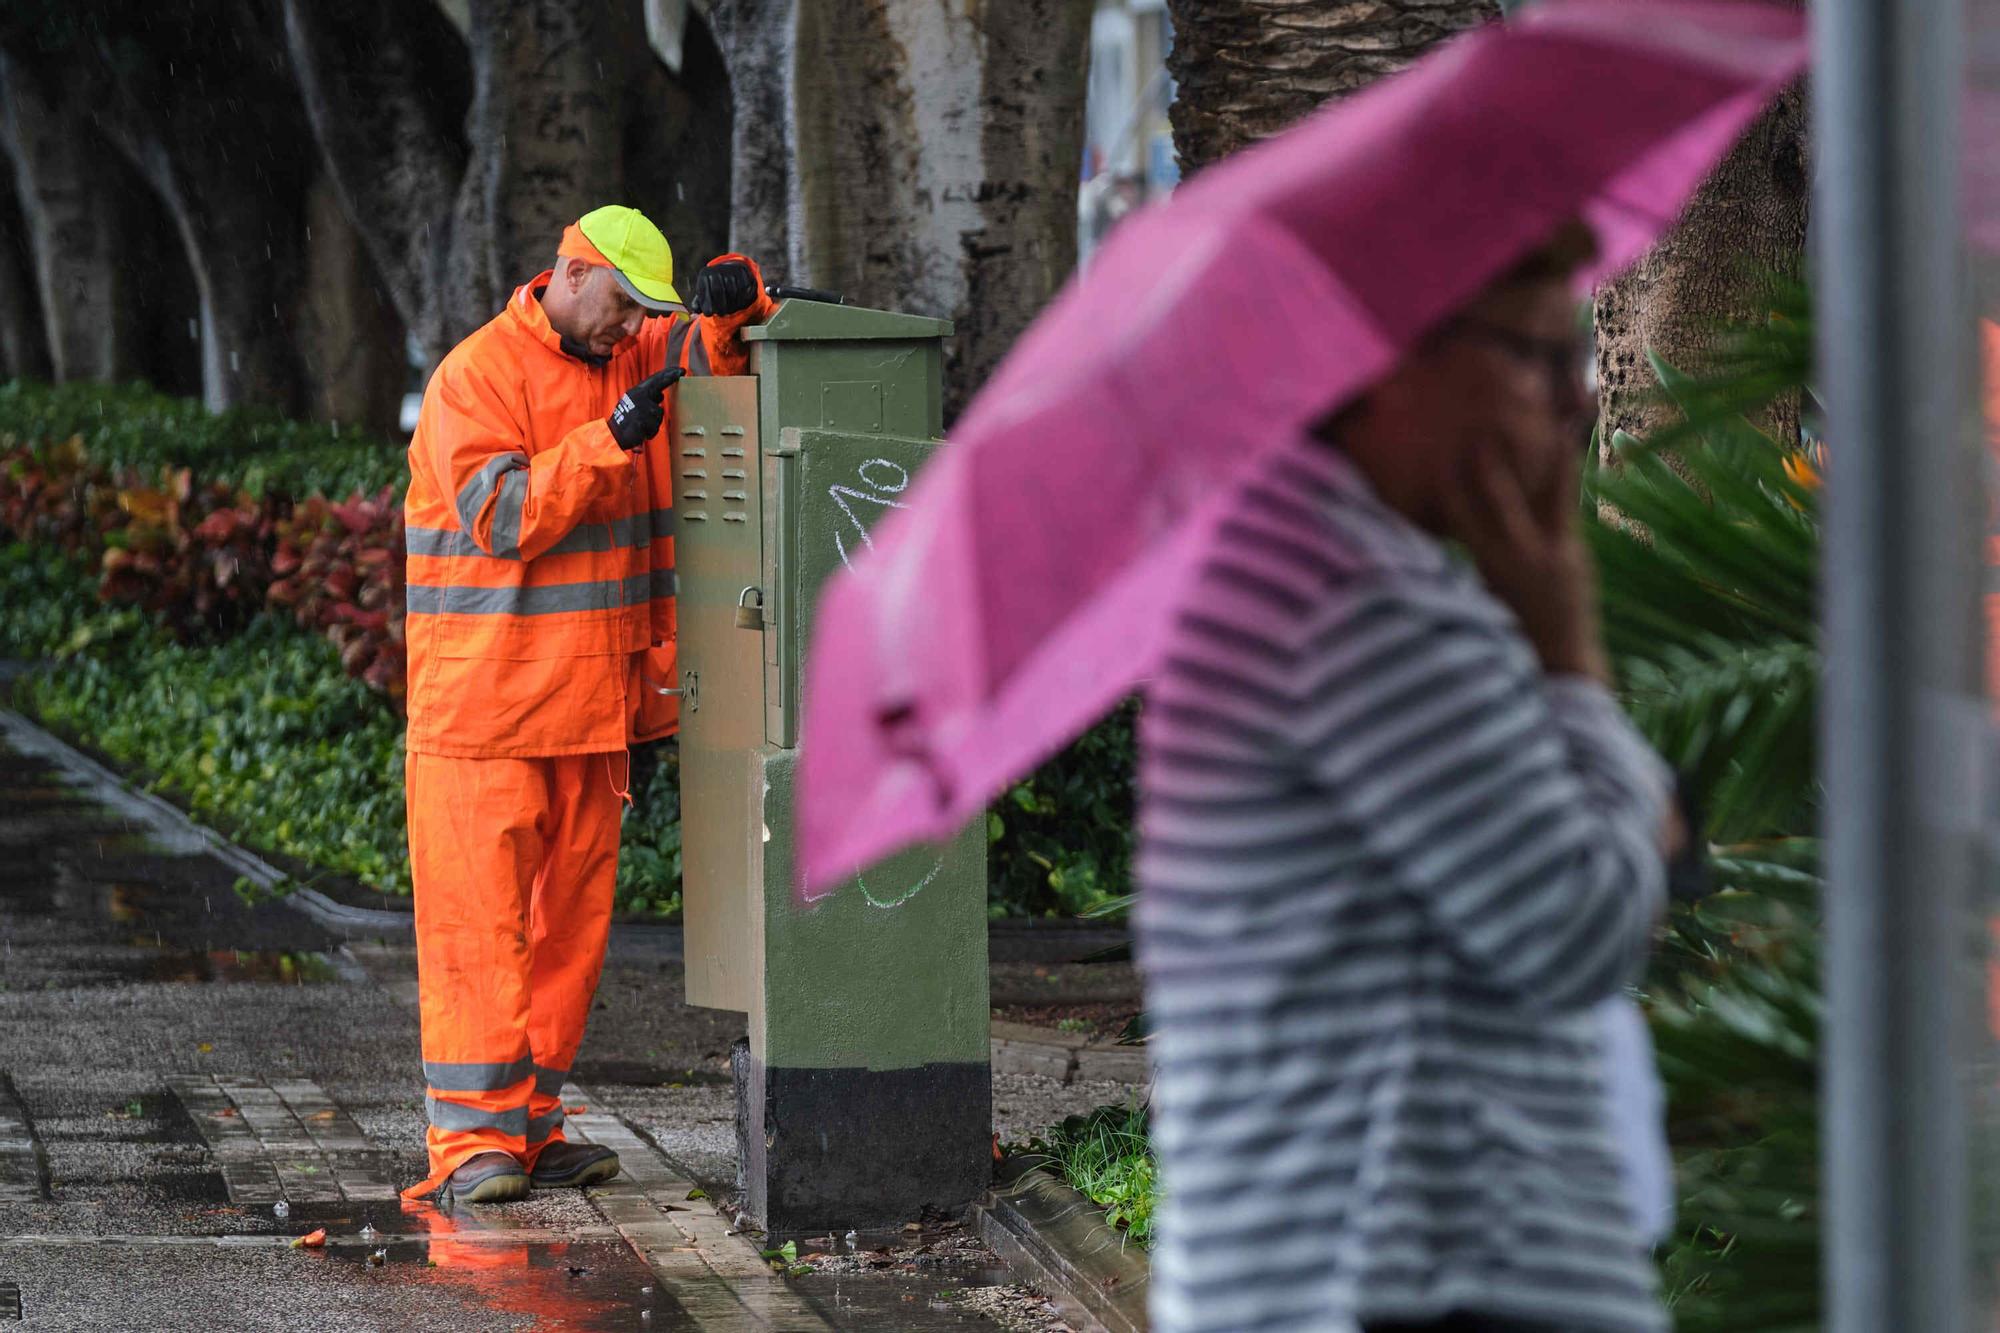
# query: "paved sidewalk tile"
{"type": "Point", "coordinates": [712, 1272]}
{"type": "Point", "coordinates": [283, 1140]}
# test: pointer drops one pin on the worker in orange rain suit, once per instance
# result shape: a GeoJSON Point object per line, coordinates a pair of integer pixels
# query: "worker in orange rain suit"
{"type": "Point", "coordinates": [540, 623]}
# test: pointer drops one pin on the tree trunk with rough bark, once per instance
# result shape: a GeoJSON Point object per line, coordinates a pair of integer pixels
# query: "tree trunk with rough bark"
{"type": "Point", "coordinates": [386, 85]}
{"type": "Point", "coordinates": [1745, 223]}
{"type": "Point", "coordinates": [756, 40]}
{"type": "Point", "coordinates": [74, 208]}
{"type": "Point", "coordinates": [212, 122]}
{"type": "Point", "coordinates": [348, 333]}
{"type": "Point", "coordinates": [461, 160]}
{"type": "Point", "coordinates": [936, 163]}
{"type": "Point", "coordinates": [544, 129]}
{"type": "Point", "coordinates": [24, 346]}
{"type": "Point", "coordinates": [1245, 69]}
{"type": "Point", "coordinates": [678, 134]}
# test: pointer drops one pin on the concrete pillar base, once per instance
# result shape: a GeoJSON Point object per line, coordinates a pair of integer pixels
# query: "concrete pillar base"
{"type": "Point", "coordinates": [831, 1150]}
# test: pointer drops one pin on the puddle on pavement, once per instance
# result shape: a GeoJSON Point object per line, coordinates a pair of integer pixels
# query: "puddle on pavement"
{"type": "Point", "coordinates": [898, 1279]}
{"type": "Point", "coordinates": [592, 1284]}
{"type": "Point", "coordinates": [561, 1284]}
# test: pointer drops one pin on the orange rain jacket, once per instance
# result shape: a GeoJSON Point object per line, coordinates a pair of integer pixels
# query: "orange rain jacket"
{"type": "Point", "coordinates": [540, 616]}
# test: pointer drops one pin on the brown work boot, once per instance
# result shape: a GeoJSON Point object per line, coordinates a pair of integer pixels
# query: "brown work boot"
{"type": "Point", "coordinates": [490, 1177]}
{"type": "Point", "coordinates": [562, 1164]}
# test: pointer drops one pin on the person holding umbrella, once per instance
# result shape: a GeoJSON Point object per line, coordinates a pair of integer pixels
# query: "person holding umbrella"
{"type": "Point", "coordinates": [1398, 842]}
{"type": "Point", "coordinates": [1400, 850]}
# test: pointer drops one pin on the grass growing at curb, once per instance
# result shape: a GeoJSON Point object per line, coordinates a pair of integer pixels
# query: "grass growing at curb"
{"type": "Point", "coordinates": [1105, 1156]}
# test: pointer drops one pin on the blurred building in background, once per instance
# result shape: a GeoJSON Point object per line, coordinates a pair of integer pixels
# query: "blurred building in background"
{"type": "Point", "coordinates": [1128, 154]}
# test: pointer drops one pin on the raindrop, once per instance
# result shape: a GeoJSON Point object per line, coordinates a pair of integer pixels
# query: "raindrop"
{"type": "Point", "coordinates": [851, 1239]}
{"type": "Point", "coordinates": [647, 1292]}
{"type": "Point", "coordinates": [281, 1209]}
{"type": "Point", "coordinates": [368, 1231]}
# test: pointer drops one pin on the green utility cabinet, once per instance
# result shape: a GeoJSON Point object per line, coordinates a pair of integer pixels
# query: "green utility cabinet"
{"type": "Point", "coordinates": [864, 1092]}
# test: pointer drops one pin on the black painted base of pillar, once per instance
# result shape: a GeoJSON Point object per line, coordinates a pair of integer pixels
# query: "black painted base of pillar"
{"type": "Point", "coordinates": [833, 1150]}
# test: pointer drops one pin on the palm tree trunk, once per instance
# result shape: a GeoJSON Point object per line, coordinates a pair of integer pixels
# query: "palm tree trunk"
{"type": "Point", "coordinates": [1246, 69]}
{"type": "Point", "coordinates": [1746, 223]}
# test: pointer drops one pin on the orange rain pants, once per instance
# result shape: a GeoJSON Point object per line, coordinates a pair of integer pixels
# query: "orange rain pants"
{"type": "Point", "coordinates": [515, 861]}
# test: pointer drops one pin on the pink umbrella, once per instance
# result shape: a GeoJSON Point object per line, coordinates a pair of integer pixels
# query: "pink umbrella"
{"type": "Point", "coordinates": [1028, 585]}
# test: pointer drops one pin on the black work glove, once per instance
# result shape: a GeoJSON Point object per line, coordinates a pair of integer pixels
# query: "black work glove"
{"type": "Point", "coordinates": [724, 289]}
{"type": "Point", "coordinates": [638, 415]}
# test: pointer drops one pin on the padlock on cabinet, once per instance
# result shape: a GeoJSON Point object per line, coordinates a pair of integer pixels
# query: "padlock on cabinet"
{"type": "Point", "coordinates": [749, 614]}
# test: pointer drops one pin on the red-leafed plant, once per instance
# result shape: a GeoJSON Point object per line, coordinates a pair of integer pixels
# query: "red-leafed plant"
{"type": "Point", "coordinates": [340, 569]}
{"type": "Point", "coordinates": [204, 558]}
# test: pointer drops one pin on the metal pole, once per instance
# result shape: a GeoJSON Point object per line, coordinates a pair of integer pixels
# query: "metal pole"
{"type": "Point", "coordinates": [1902, 724]}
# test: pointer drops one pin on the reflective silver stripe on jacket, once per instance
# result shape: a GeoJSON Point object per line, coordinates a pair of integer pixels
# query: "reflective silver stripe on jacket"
{"type": "Point", "coordinates": [637, 530]}
{"type": "Point", "coordinates": [541, 1126]}
{"type": "Point", "coordinates": [506, 474]}
{"type": "Point", "coordinates": [540, 599]}
{"type": "Point", "coordinates": [697, 355]}
{"type": "Point", "coordinates": [449, 1076]}
{"type": "Point", "coordinates": [454, 1116]}
{"type": "Point", "coordinates": [549, 1081]}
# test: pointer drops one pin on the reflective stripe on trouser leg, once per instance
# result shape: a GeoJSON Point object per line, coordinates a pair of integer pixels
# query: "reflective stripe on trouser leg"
{"type": "Point", "coordinates": [569, 923]}
{"type": "Point", "coordinates": [477, 847]}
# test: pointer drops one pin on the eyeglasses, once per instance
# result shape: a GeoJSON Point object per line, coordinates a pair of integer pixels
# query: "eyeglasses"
{"type": "Point", "coordinates": [1561, 359]}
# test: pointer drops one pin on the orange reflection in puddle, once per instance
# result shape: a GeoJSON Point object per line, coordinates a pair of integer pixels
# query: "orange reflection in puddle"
{"type": "Point", "coordinates": [563, 1285]}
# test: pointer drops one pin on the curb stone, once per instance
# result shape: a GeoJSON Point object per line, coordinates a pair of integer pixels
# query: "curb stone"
{"type": "Point", "coordinates": [1019, 1048]}
{"type": "Point", "coordinates": [170, 826]}
{"type": "Point", "coordinates": [1057, 1240]}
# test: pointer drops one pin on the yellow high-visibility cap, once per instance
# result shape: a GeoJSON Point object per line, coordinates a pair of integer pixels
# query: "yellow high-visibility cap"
{"type": "Point", "coordinates": [627, 242]}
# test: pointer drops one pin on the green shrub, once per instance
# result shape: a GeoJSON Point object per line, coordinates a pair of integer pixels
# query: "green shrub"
{"type": "Point", "coordinates": [262, 733]}
{"type": "Point", "coordinates": [1061, 838]}
{"type": "Point", "coordinates": [131, 426]}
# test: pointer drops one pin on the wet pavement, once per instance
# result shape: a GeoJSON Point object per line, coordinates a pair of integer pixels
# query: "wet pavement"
{"type": "Point", "coordinates": [191, 1081]}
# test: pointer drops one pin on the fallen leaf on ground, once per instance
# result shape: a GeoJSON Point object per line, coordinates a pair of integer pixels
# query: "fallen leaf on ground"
{"type": "Point", "coordinates": [321, 1115]}
{"type": "Point", "coordinates": [206, 1047]}
{"type": "Point", "coordinates": [312, 1240]}
{"type": "Point", "coordinates": [913, 1226]}
{"type": "Point", "coordinates": [578, 1110]}
{"type": "Point", "coordinates": [697, 1193]}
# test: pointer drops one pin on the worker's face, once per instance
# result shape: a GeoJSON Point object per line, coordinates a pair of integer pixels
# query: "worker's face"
{"type": "Point", "coordinates": [604, 315]}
